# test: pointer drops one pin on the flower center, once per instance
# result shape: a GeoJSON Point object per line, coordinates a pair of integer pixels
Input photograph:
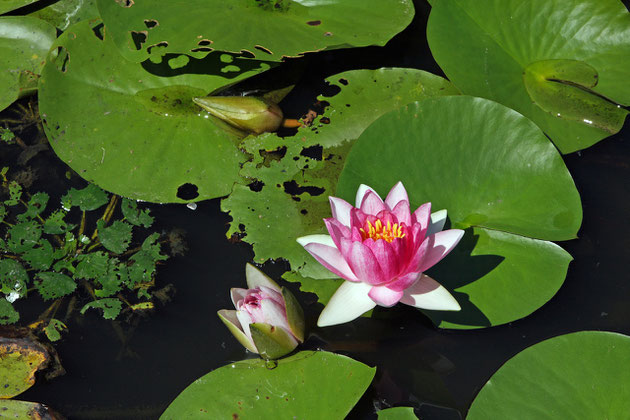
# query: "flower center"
{"type": "Point", "coordinates": [379, 231]}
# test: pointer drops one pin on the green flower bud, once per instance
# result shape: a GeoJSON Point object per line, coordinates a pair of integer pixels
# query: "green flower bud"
{"type": "Point", "coordinates": [247, 113]}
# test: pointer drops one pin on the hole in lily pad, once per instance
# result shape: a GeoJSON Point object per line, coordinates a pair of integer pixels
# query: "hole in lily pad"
{"type": "Point", "coordinates": [256, 186]}
{"type": "Point", "coordinates": [263, 49]}
{"type": "Point", "coordinates": [202, 49]}
{"type": "Point", "coordinates": [204, 42]}
{"type": "Point", "coordinates": [151, 23]}
{"type": "Point", "coordinates": [343, 81]}
{"type": "Point", "coordinates": [125, 3]}
{"type": "Point", "coordinates": [139, 38]}
{"type": "Point", "coordinates": [248, 54]}
{"type": "Point", "coordinates": [313, 152]}
{"type": "Point", "coordinates": [98, 30]}
{"type": "Point", "coordinates": [61, 62]}
{"type": "Point", "coordinates": [292, 188]}
{"type": "Point", "coordinates": [187, 191]}
{"type": "Point", "coordinates": [314, 22]}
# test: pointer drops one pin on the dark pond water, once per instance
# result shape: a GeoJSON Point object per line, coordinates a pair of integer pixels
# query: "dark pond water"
{"type": "Point", "coordinates": [133, 371]}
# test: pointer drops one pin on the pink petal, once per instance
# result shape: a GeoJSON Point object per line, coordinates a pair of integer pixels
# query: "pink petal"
{"type": "Point", "coordinates": [237, 294]}
{"type": "Point", "coordinates": [401, 211]}
{"type": "Point", "coordinates": [357, 218]}
{"type": "Point", "coordinates": [436, 224]}
{"type": "Point", "coordinates": [429, 294]}
{"type": "Point", "coordinates": [273, 314]}
{"type": "Point", "coordinates": [418, 257]}
{"type": "Point", "coordinates": [372, 204]}
{"type": "Point", "coordinates": [404, 282]}
{"type": "Point", "coordinates": [337, 230]}
{"type": "Point", "coordinates": [364, 264]}
{"type": "Point", "coordinates": [422, 215]}
{"type": "Point", "coordinates": [439, 245]}
{"type": "Point", "coordinates": [396, 195]}
{"type": "Point", "coordinates": [363, 189]}
{"type": "Point", "coordinates": [385, 256]}
{"type": "Point", "coordinates": [340, 210]}
{"type": "Point", "coordinates": [384, 296]}
{"type": "Point", "coordinates": [331, 258]}
{"type": "Point", "coordinates": [349, 302]}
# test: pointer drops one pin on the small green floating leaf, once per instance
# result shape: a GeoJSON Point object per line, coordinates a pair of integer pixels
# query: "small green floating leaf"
{"type": "Point", "coordinates": [23, 236]}
{"type": "Point", "coordinates": [92, 265]}
{"type": "Point", "coordinates": [54, 328]}
{"type": "Point", "coordinates": [8, 315]}
{"type": "Point", "coordinates": [53, 285]}
{"type": "Point", "coordinates": [25, 410]}
{"type": "Point", "coordinates": [397, 413]}
{"type": "Point", "coordinates": [143, 266]}
{"type": "Point", "coordinates": [574, 376]}
{"type": "Point", "coordinates": [55, 223]}
{"type": "Point", "coordinates": [13, 278]}
{"type": "Point", "coordinates": [563, 88]}
{"type": "Point", "coordinates": [111, 307]}
{"type": "Point", "coordinates": [134, 215]}
{"type": "Point", "coordinates": [87, 199]}
{"type": "Point", "coordinates": [15, 193]}
{"type": "Point", "coordinates": [35, 206]}
{"type": "Point", "coordinates": [115, 237]}
{"type": "Point", "coordinates": [251, 389]}
{"type": "Point", "coordinates": [40, 257]}
{"type": "Point", "coordinates": [7, 135]}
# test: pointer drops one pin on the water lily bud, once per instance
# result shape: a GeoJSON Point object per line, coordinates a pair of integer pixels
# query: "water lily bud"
{"type": "Point", "coordinates": [247, 113]}
{"type": "Point", "coordinates": [268, 319]}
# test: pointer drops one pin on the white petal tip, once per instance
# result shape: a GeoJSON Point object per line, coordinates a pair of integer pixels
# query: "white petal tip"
{"type": "Point", "coordinates": [317, 239]}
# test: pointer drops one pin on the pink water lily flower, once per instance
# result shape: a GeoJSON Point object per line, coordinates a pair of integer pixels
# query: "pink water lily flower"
{"type": "Point", "coordinates": [382, 249]}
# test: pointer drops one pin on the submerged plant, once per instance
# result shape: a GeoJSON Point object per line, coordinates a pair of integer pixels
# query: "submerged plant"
{"type": "Point", "coordinates": [382, 249]}
{"type": "Point", "coordinates": [268, 319]}
{"type": "Point", "coordinates": [41, 251]}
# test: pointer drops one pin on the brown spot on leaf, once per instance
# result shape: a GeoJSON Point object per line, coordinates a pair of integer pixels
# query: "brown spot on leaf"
{"type": "Point", "coordinates": [328, 34]}
{"type": "Point", "coordinates": [314, 22]}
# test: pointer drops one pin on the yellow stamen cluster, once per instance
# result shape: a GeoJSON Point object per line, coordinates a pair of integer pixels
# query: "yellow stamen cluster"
{"type": "Point", "coordinates": [378, 231]}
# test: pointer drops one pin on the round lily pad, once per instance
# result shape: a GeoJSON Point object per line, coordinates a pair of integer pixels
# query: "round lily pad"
{"type": "Point", "coordinates": [267, 29]}
{"type": "Point", "coordinates": [581, 375]}
{"type": "Point", "coordinates": [499, 178]}
{"type": "Point", "coordinates": [9, 5]}
{"type": "Point", "coordinates": [309, 384]}
{"type": "Point", "coordinates": [132, 128]}
{"type": "Point", "coordinates": [19, 360]}
{"type": "Point", "coordinates": [24, 43]}
{"type": "Point", "coordinates": [64, 13]}
{"type": "Point", "coordinates": [562, 64]}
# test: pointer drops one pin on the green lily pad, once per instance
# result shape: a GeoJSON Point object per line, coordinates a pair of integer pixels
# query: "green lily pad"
{"type": "Point", "coordinates": [64, 13]}
{"type": "Point", "coordinates": [278, 163]}
{"type": "Point", "coordinates": [397, 413]}
{"type": "Point", "coordinates": [574, 376]}
{"type": "Point", "coordinates": [268, 29]}
{"type": "Point", "coordinates": [253, 389]}
{"type": "Point", "coordinates": [24, 43]}
{"type": "Point", "coordinates": [561, 64]}
{"type": "Point", "coordinates": [25, 410]}
{"type": "Point", "coordinates": [506, 184]}
{"type": "Point", "coordinates": [145, 138]}
{"type": "Point", "coordinates": [10, 5]}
